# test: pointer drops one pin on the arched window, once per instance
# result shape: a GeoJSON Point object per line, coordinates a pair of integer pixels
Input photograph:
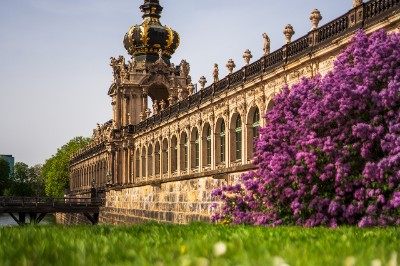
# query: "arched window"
{"type": "Point", "coordinates": [194, 149]}
{"type": "Point", "coordinates": [165, 156]}
{"type": "Point", "coordinates": [184, 151]}
{"type": "Point", "coordinates": [150, 160]}
{"type": "Point", "coordinates": [238, 138]}
{"type": "Point", "coordinates": [137, 164]}
{"type": "Point", "coordinates": [174, 154]}
{"type": "Point", "coordinates": [197, 149]}
{"type": "Point", "coordinates": [157, 159]}
{"type": "Point", "coordinates": [144, 167]}
{"type": "Point", "coordinates": [208, 145]}
{"type": "Point", "coordinates": [222, 136]}
{"type": "Point", "coordinates": [255, 127]}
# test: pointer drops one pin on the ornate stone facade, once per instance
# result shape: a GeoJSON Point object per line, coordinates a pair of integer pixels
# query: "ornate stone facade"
{"type": "Point", "coordinates": [162, 164]}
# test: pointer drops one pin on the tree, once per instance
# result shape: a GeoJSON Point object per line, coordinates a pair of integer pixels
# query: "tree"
{"type": "Point", "coordinates": [330, 154]}
{"type": "Point", "coordinates": [22, 181]}
{"type": "Point", "coordinates": [56, 170]}
{"type": "Point", "coordinates": [38, 183]}
{"type": "Point", "coordinates": [4, 175]}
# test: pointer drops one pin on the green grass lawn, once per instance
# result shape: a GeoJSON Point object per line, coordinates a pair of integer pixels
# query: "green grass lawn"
{"type": "Point", "coordinates": [195, 244]}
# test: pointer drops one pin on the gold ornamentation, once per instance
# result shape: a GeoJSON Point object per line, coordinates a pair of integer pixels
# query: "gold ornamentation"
{"type": "Point", "coordinates": [170, 39]}
{"type": "Point", "coordinates": [145, 32]}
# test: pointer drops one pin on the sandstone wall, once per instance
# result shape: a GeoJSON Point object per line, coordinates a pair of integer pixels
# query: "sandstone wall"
{"type": "Point", "coordinates": [175, 202]}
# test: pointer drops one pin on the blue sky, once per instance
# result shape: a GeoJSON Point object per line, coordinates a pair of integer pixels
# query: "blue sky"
{"type": "Point", "coordinates": [54, 56]}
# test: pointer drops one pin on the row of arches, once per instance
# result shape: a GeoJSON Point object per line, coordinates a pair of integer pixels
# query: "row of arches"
{"type": "Point", "coordinates": [200, 148]}
{"type": "Point", "coordinates": [86, 177]}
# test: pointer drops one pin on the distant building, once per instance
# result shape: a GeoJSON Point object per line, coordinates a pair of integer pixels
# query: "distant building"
{"type": "Point", "coordinates": [10, 160]}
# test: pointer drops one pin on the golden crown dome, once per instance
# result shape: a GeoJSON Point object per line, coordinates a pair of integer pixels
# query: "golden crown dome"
{"type": "Point", "coordinates": [144, 41]}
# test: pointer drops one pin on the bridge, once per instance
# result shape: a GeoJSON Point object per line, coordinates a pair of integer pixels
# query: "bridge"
{"type": "Point", "coordinates": [38, 207]}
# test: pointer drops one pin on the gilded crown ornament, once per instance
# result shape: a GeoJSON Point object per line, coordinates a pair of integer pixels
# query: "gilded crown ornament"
{"type": "Point", "coordinates": [144, 42]}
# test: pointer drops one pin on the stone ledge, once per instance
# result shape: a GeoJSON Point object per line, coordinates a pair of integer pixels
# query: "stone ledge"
{"type": "Point", "coordinates": [217, 174]}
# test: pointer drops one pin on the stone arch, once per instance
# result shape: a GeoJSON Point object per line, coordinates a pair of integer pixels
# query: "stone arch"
{"type": "Point", "coordinates": [174, 154]}
{"type": "Point", "coordinates": [252, 127]}
{"type": "Point", "coordinates": [137, 163]}
{"type": "Point", "coordinates": [144, 162]}
{"type": "Point", "coordinates": [220, 141]}
{"type": "Point", "coordinates": [156, 87]}
{"type": "Point", "coordinates": [206, 147]}
{"type": "Point", "coordinates": [236, 136]}
{"type": "Point", "coordinates": [150, 160]}
{"type": "Point", "coordinates": [184, 151]}
{"type": "Point", "coordinates": [165, 156]}
{"type": "Point", "coordinates": [270, 106]}
{"type": "Point", "coordinates": [157, 158]}
{"type": "Point", "coordinates": [194, 148]}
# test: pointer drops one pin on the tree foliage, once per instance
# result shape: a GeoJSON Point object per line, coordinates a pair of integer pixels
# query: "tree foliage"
{"type": "Point", "coordinates": [56, 170]}
{"type": "Point", "coordinates": [331, 152]}
{"type": "Point", "coordinates": [4, 175]}
{"type": "Point", "coordinates": [26, 181]}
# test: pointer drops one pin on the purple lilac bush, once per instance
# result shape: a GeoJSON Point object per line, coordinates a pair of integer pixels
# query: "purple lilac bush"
{"type": "Point", "coordinates": [330, 154]}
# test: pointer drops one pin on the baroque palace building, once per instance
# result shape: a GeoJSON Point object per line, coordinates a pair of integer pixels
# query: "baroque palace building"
{"type": "Point", "coordinates": [162, 162]}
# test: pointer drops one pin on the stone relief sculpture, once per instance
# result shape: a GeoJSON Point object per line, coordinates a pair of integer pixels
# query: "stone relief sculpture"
{"type": "Point", "coordinates": [267, 44]}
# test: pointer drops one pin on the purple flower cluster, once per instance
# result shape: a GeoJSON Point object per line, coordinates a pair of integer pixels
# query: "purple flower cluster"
{"type": "Point", "coordinates": [330, 154]}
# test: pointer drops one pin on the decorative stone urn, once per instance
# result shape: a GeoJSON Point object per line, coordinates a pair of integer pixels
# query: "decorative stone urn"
{"type": "Point", "coordinates": [247, 56]}
{"type": "Point", "coordinates": [202, 82]}
{"type": "Point", "coordinates": [315, 18]}
{"type": "Point", "coordinates": [230, 66]}
{"type": "Point", "coordinates": [288, 32]}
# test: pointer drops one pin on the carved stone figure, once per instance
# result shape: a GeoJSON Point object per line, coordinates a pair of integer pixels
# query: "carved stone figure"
{"type": "Point", "coordinates": [132, 64]}
{"type": "Point", "coordinates": [230, 66]}
{"type": "Point", "coordinates": [215, 73]}
{"type": "Point", "coordinates": [190, 88]}
{"type": "Point", "coordinates": [288, 32]}
{"type": "Point", "coordinates": [148, 112]}
{"type": "Point", "coordinates": [267, 44]}
{"type": "Point", "coordinates": [202, 82]}
{"type": "Point", "coordinates": [315, 18]}
{"type": "Point", "coordinates": [155, 107]}
{"type": "Point", "coordinates": [180, 95]}
{"type": "Point", "coordinates": [247, 56]}
{"type": "Point", "coordinates": [185, 68]}
{"type": "Point", "coordinates": [162, 105]}
{"type": "Point", "coordinates": [357, 3]}
{"type": "Point", "coordinates": [141, 116]}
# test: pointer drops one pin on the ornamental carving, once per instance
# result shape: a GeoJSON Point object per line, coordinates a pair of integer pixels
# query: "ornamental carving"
{"type": "Point", "coordinates": [267, 44]}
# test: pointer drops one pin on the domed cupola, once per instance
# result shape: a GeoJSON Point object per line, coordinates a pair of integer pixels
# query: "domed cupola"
{"type": "Point", "coordinates": [144, 41]}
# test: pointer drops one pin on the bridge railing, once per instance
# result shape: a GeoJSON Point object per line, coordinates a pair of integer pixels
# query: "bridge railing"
{"type": "Point", "coordinates": [43, 201]}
